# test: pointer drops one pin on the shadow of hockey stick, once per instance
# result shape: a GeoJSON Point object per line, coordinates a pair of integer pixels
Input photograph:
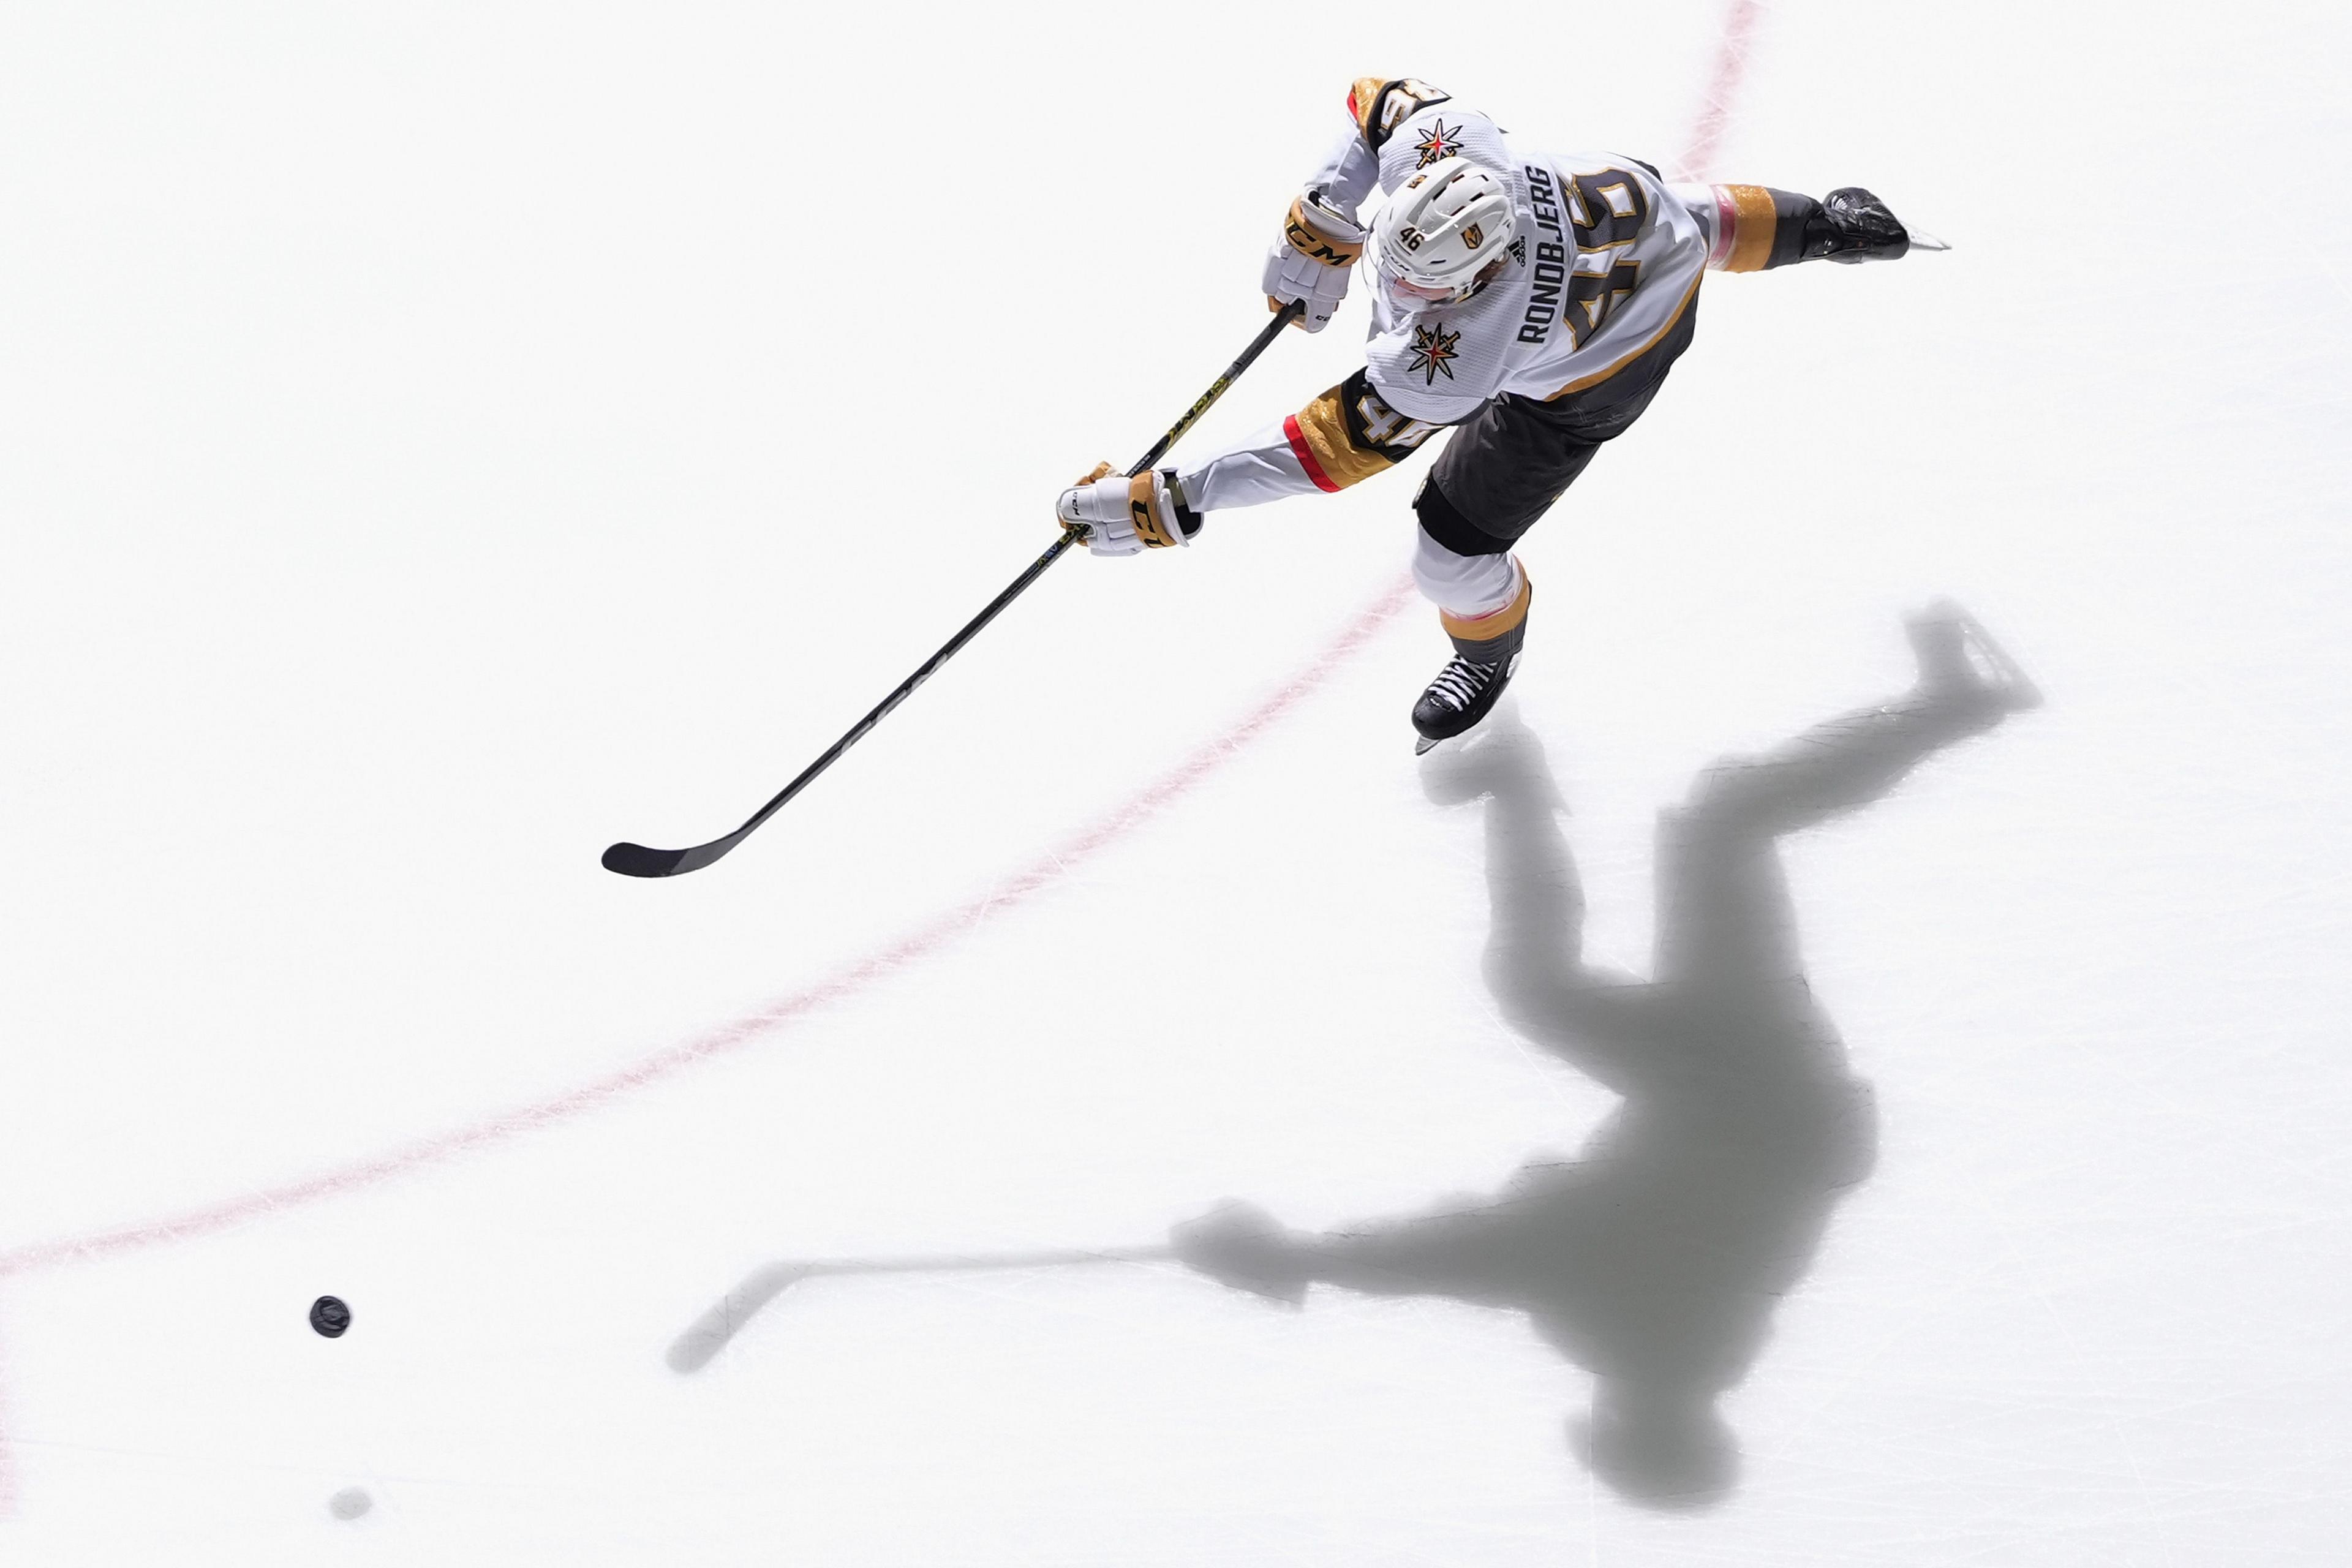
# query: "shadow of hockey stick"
{"type": "Point", "coordinates": [716, 1329]}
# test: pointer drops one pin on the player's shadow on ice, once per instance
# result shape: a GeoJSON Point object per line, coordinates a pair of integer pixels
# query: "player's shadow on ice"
{"type": "Point", "coordinates": [1656, 1258]}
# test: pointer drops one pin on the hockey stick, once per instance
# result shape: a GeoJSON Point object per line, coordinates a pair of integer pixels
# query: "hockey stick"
{"type": "Point", "coordinates": [636, 860]}
{"type": "Point", "coordinates": [710, 1333]}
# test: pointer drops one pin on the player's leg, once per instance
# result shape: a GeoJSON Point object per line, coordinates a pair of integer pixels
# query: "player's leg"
{"type": "Point", "coordinates": [1724, 911]}
{"type": "Point", "coordinates": [1510, 466]}
{"type": "Point", "coordinates": [1482, 600]}
{"type": "Point", "coordinates": [1597, 1021]}
{"type": "Point", "coordinates": [1500, 471]}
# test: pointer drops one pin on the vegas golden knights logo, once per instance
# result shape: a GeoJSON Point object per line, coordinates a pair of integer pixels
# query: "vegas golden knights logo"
{"type": "Point", "coordinates": [1473, 236]}
{"type": "Point", "coordinates": [1440, 143]}
{"type": "Point", "coordinates": [1434, 351]}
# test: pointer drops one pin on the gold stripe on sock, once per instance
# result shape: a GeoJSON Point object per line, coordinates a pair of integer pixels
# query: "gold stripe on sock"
{"type": "Point", "coordinates": [1754, 222]}
{"type": "Point", "coordinates": [1495, 623]}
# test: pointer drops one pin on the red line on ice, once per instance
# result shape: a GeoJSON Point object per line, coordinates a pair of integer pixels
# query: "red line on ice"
{"type": "Point", "coordinates": [7, 1466]}
{"type": "Point", "coordinates": [1723, 89]}
{"type": "Point", "coordinates": [1041, 872]}
{"type": "Point", "coordinates": [728, 1036]}
{"type": "Point", "coordinates": [1731, 68]}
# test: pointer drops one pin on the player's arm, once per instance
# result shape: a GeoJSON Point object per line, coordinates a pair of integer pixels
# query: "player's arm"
{"type": "Point", "coordinates": [1321, 237]}
{"type": "Point", "coordinates": [1343, 438]}
{"type": "Point", "coordinates": [1753, 228]}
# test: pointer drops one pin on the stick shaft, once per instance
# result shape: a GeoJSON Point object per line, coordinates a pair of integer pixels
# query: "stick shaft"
{"type": "Point", "coordinates": [1273, 329]}
{"type": "Point", "coordinates": [635, 860]}
{"type": "Point", "coordinates": [954, 645]}
{"type": "Point", "coordinates": [967, 1264]}
{"type": "Point", "coordinates": [1020, 585]}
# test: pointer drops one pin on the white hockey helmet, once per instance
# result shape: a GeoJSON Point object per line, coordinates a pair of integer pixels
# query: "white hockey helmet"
{"type": "Point", "coordinates": [1443, 227]}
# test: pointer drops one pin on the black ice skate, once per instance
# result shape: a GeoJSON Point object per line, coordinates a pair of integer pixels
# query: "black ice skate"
{"type": "Point", "coordinates": [1485, 654]}
{"type": "Point", "coordinates": [1464, 692]}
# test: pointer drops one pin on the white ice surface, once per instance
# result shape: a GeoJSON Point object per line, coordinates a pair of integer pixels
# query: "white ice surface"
{"type": "Point", "coordinates": [429, 452]}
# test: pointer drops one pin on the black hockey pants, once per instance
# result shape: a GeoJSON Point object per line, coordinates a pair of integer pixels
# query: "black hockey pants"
{"type": "Point", "coordinates": [1504, 466]}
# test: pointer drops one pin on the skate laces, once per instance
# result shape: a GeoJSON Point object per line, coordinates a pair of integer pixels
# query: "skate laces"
{"type": "Point", "coordinates": [1459, 683]}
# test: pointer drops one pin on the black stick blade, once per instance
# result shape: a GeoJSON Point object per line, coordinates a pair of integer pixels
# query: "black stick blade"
{"type": "Point", "coordinates": [636, 860]}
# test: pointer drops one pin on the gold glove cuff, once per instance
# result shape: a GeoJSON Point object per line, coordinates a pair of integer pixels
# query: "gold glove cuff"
{"type": "Point", "coordinates": [1300, 232]}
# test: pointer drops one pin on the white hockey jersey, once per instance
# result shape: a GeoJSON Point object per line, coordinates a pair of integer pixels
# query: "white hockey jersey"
{"type": "Point", "coordinates": [1606, 261]}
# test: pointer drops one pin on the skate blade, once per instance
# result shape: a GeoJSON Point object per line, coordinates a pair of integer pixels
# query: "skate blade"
{"type": "Point", "coordinates": [1926, 242]}
{"type": "Point", "coordinates": [1425, 745]}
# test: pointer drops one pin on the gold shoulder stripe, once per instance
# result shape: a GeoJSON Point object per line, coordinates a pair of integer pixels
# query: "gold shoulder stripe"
{"type": "Point", "coordinates": [1380, 104]}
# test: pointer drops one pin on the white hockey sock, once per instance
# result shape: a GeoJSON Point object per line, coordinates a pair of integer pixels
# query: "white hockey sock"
{"type": "Point", "coordinates": [1465, 586]}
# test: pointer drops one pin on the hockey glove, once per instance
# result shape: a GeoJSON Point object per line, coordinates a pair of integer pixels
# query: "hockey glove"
{"type": "Point", "coordinates": [1122, 515]}
{"type": "Point", "coordinates": [1855, 226]}
{"type": "Point", "coordinates": [1311, 261]}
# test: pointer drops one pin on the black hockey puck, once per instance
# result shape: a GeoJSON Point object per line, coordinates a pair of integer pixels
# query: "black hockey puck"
{"type": "Point", "coordinates": [330, 1316]}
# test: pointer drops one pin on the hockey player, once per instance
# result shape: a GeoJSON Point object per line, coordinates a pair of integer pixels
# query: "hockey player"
{"type": "Point", "coordinates": [1532, 303]}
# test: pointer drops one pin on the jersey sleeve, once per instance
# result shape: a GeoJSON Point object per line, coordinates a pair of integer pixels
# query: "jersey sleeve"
{"type": "Point", "coordinates": [1376, 106]}
{"type": "Point", "coordinates": [1343, 438]}
{"type": "Point", "coordinates": [1346, 175]}
{"type": "Point", "coordinates": [1699, 202]}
